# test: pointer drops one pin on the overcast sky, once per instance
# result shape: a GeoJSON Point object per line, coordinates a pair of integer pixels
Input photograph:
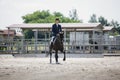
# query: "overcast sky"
{"type": "Point", "coordinates": [12, 10]}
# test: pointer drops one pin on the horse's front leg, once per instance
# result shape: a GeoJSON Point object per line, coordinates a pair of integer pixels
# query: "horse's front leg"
{"type": "Point", "coordinates": [50, 56]}
{"type": "Point", "coordinates": [56, 57]}
{"type": "Point", "coordinates": [64, 56]}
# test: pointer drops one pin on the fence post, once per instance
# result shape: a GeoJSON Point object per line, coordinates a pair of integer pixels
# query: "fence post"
{"type": "Point", "coordinates": [65, 38]}
{"type": "Point", "coordinates": [102, 42]}
{"type": "Point", "coordinates": [22, 42]}
{"type": "Point", "coordinates": [84, 42]}
{"type": "Point", "coordinates": [45, 42]}
{"type": "Point", "coordinates": [75, 42]}
{"type": "Point", "coordinates": [8, 41]}
{"type": "Point", "coordinates": [93, 41]}
{"type": "Point", "coordinates": [36, 38]}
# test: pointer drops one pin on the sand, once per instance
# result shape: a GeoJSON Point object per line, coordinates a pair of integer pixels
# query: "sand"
{"type": "Point", "coordinates": [107, 68]}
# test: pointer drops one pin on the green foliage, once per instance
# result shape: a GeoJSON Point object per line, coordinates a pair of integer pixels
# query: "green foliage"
{"type": "Point", "coordinates": [58, 14]}
{"type": "Point", "coordinates": [93, 19]}
{"type": "Point", "coordinates": [37, 17]}
{"type": "Point", "coordinates": [29, 34]}
{"type": "Point", "coordinates": [73, 14]}
{"type": "Point", "coordinates": [46, 17]}
{"type": "Point", "coordinates": [114, 33]}
{"type": "Point", "coordinates": [103, 21]}
{"type": "Point", "coordinates": [115, 24]}
{"type": "Point", "coordinates": [118, 29]}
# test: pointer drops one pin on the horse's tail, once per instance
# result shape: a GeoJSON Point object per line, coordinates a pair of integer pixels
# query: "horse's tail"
{"type": "Point", "coordinates": [47, 54]}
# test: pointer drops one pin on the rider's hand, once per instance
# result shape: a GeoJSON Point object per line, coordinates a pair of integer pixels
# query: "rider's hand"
{"type": "Point", "coordinates": [57, 34]}
{"type": "Point", "coordinates": [61, 32]}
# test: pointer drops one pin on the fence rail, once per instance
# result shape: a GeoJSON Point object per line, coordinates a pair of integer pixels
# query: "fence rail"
{"type": "Point", "coordinates": [42, 46]}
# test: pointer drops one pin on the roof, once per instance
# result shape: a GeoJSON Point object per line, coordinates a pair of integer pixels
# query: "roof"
{"type": "Point", "coordinates": [108, 28]}
{"type": "Point", "coordinates": [1, 32]}
{"type": "Point", "coordinates": [48, 25]}
{"type": "Point", "coordinates": [5, 32]}
{"type": "Point", "coordinates": [19, 34]}
{"type": "Point", "coordinates": [10, 32]}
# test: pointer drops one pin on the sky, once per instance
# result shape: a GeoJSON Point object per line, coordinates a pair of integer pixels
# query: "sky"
{"type": "Point", "coordinates": [11, 11]}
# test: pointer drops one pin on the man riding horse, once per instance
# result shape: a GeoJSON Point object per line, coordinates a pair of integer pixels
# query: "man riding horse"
{"type": "Point", "coordinates": [56, 41]}
{"type": "Point", "coordinates": [56, 29]}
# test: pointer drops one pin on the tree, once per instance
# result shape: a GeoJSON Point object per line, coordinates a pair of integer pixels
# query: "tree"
{"type": "Point", "coordinates": [38, 17]}
{"type": "Point", "coordinates": [118, 29]}
{"type": "Point", "coordinates": [44, 16]}
{"type": "Point", "coordinates": [58, 14]}
{"type": "Point", "coordinates": [74, 16]}
{"type": "Point", "coordinates": [103, 21]}
{"type": "Point", "coordinates": [93, 19]}
{"type": "Point", "coordinates": [29, 34]}
{"type": "Point", "coordinates": [116, 26]}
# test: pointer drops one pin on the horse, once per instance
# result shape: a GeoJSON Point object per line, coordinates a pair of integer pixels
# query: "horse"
{"type": "Point", "coordinates": [57, 45]}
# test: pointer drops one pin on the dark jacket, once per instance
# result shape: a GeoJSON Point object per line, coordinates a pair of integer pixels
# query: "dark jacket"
{"type": "Point", "coordinates": [56, 29]}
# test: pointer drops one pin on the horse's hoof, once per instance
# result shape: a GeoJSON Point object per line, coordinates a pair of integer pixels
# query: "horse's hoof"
{"type": "Point", "coordinates": [64, 59]}
{"type": "Point", "coordinates": [46, 55]}
{"type": "Point", "coordinates": [57, 63]}
{"type": "Point", "coordinates": [50, 62]}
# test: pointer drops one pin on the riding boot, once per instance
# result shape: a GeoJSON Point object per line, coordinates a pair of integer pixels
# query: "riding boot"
{"type": "Point", "coordinates": [51, 43]}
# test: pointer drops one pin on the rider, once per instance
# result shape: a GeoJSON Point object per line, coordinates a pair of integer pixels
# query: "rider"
{"type": "Point", "coordinates": [56, 29]}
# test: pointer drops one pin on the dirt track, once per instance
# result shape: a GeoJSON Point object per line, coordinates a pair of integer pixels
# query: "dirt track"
{"type": "Point", "coordinates": [107, 68]}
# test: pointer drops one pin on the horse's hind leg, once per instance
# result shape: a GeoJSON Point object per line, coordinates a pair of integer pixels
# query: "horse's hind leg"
{"type": "Point", "coordinates": [50, 57]}
{"type": "Point", "coordinates": [56, 57]}
{"type": "Point", "coordinates": [64, 56]}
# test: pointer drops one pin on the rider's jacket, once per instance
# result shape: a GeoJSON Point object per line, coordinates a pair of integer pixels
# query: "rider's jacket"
{"type": "Point", "coordinates": [56, 28]}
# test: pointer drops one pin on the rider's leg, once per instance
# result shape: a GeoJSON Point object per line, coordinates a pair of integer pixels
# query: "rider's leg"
{"type": "Point", "coordinates": [52, 39]}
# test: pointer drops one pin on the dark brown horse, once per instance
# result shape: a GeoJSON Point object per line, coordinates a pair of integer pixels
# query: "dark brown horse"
{"type": "Point", "coordinates": [57, 45]}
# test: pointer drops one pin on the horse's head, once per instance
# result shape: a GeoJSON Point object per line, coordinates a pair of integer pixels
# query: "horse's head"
{"type": "Point", "coordinates": [60, 36]}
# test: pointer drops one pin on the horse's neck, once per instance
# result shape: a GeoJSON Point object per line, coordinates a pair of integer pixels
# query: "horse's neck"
{"type": "Point", "coordinates": [57, 41]}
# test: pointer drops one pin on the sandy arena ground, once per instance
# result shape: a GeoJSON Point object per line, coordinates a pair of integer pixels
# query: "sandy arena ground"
{"type": "Point", "coordinates": [107, 68]}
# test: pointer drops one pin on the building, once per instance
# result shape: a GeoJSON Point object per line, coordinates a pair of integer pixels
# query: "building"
{"type": "Point", "coordinates": [78, 38]}
{"type": "Point", "coordinates": [5, 33]}
{"type": "Point", "coordinates": [82, 36]}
